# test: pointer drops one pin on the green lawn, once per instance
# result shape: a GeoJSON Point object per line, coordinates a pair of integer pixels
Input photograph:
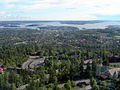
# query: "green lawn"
{"type": "Point", "coordinates": [117, 36]}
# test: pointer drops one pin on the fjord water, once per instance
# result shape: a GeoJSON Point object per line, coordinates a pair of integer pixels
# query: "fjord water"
{"type": "Point", "coordinates": [36, 24]}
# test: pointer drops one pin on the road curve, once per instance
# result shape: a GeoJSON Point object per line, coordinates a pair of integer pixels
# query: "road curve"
{"type": "Point", "coordinates": [27, 63]}
{"type": "Point", "coordinates": [37, 63]}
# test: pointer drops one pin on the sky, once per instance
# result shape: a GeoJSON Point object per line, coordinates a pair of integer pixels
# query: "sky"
{"type": "Point", "coordinates": [59, 10]}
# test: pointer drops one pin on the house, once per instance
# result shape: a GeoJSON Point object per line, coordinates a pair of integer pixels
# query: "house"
{"type": "Point", "coordinates": [101, 69]}
{"type": "Point", "coordinates": [1, 70]}
{"type": "Point", "coordinates": [34, 53]}
{"type": "Point", "coordinates": [114, 58]}
{"type": "Point", "coordinates": [109, 73]}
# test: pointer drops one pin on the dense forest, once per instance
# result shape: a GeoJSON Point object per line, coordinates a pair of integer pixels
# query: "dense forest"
{"type": "Point", "coordinates": [65, 50]}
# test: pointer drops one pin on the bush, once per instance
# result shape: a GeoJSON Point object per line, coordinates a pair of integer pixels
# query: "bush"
{"type": "Point", "coordinates": [73, 84]}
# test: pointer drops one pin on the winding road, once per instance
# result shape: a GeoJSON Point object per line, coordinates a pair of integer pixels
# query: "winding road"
{"type": "Point", "coordinates": [37, 63]}
{"type": "Point", "coordinates": [33, 62]}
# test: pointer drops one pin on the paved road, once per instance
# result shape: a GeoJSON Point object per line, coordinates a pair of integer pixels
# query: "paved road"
{"type": "Point", "coordinates": [37, 63]}
{"type": "Point", "coordinates": [118, 63]}
{"type": "Point", "coordinates": [78, 81]}
{"type": "Point", "coordinates": [22, 87]}
{"type": "Point", "coordinates": [26, 64]}
{"type": "Point", "coordinates": [31, 63]}
{"type": "Point", "coordinates": [62, 85]}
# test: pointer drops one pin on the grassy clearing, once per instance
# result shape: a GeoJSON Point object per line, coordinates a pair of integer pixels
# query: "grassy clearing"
{"type": "Point", "coordinates": [117, 36]}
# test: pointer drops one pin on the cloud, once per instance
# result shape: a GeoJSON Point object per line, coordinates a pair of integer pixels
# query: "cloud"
{"type": "Point", "coordinates": [79, 16]}
{"type": "Point", "coordinates": [8, 1]}
{"type": "Point", "coordinates": [35, 6]}
{"type": "Point", "coordinates": [14, 17]}
{"type": "Point", "coordinates": [88, 9]}
{"type": "Point", "coordinates": [2, 12]}
{"type": "Point", "coordinates": [7, 15]}
{"type": "Point", "coordinates": [9, 6]}
{"type": "Point", "coordinates": [104, 7]}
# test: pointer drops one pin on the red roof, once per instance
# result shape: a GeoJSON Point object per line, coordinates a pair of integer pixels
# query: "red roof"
{"type": "Point", "coordinates": [1, 69]}
{"type": "Point", "coordinates": [114, 59]}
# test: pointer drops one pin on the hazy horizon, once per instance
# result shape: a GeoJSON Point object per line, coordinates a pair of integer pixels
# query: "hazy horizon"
{"type": "Point", "coordinates": [57, 20]}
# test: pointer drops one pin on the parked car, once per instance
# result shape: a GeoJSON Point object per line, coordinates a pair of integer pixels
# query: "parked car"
{"type": "Point", "coordinates": [83, 83]}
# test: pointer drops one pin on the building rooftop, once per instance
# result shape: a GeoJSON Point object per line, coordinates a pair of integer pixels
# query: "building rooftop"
{"type": "Point", "coordinates": [1, 69]}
